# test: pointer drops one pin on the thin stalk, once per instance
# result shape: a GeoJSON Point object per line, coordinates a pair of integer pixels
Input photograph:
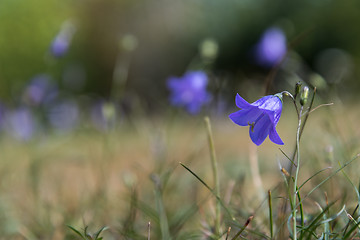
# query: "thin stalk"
{"type": "Point", "coordinates": [270, 215]}
{"type": "Point", "coordinates": [211, 190]}
{"type": "Point", "coordinates": [243, 228]}
{"type": "Point", "coordinates": [301, 210]}
{"type": "Point", "coordinates": [296, 173]}
{"type": "Point", "coordinates": [228, 233]}
{"type": "Point", "coordinates": [215, 174]}
{"type": "Point", "coordinates": [303, 125]}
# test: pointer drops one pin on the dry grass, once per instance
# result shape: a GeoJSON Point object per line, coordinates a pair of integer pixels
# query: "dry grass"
{"type": "Point", "coordinates": [87, 177]}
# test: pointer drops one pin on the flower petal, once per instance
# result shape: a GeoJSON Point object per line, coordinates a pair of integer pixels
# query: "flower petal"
{"type": "Point", "coordinates": [241, 103]}
{"type": "Point", "coordinates": [245, 116]}
{"type": "Point", "coordinates": [261, 103]}
{"type": "Point", "coordinates": [270, 102]}
{"type": "Point", "coordinates": [274, 136]}
{"type": "Point", "coordinates": [261, 130]}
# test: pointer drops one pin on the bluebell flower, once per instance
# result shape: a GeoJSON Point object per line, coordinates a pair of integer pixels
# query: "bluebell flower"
{"type": "Point", "coordinates": [21, 124]}
{"type": "Point", "coordinates": [262, 116]}
{"type": "Point", "coordinates": [271, 48]}
{"type": "Point", "coordinates": [39, 88]}
{"type": "Point", "coordinates": [62, 40]}
{"type": "Point", "coordinates": [189, 91]}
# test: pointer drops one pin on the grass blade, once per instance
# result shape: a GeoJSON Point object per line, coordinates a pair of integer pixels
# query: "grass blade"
{"type": "Point", "coordinates": [164, 225]}
{"type": "Point", "coordinates": [307, 180]}
{"type": "Point", "coordinates": [215, 174]}
{"type": "Point", "coordinates": [210, 189]}
{"type": "Point", "coordinates": [76, 231]}
{"type": "Point", "coordinates": [243, 228]}
{"type": "Point", "coordinates": [99, 232]}
{"type": "Point", "coordinates": [331, 175]}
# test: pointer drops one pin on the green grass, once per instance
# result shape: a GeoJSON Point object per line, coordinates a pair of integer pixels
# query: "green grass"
{"type": "Point", "coordinates": [130, 177]}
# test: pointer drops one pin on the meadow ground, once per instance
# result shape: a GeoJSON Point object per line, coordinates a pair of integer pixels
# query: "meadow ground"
{"type": "Point", "coordinates": [131, 175]}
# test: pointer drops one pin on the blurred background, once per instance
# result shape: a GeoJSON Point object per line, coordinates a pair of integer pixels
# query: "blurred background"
{"type": "Point", "coordinates": [114, 71]}
{"type": "Point", "coordinates": [89, 51]}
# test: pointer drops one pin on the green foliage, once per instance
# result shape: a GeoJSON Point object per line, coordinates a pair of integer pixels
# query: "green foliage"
{"type": "Point", "coordinates": [27, 29]}
{"type": "Point", "coordinates": [88, 236]}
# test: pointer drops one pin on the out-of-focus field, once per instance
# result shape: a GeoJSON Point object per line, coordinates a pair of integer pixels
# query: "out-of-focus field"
{"type": "Point", "coordinates": [87, 178]}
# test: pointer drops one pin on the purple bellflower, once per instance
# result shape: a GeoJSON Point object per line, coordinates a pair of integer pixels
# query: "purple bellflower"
{"type": "Point", "coordinates": [189, 91]}
{"type": "Point", "coordinates": [262, 116]}
{"type": "Point", "coordinates": [61, 42]}
{"type": "Point", "coordinates": [21, 124]}
{"type": "Point", "coordinates": [271, 48]}
{"type": "Point", "coordinates": [39, 89]}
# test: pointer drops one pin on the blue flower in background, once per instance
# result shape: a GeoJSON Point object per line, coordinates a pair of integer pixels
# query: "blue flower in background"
{"type": "Point", "coordinates": [21, 124]}
{"type": "Point", "coordinates": [63, 115]}
{"type": "Point", "coordinates": [262, 116]}
{"type": "Point", "coordinates": [39, 89]}
{"type": "Point", "coordinates": [271, 48]}
{"type": "Point", "coordinates": [61, 42]}
{"type": "Point", "coordinates": [189, 91]}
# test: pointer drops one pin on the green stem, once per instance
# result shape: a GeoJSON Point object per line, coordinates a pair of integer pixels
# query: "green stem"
{"type": "Point", "coordinates": [301, 210]}
{"type": "Point", "coordinates": [296, 173]}
{"type": "Point", "coordinates": [270, 215]}
{"type": "Point", "coordinates": [215, 174]}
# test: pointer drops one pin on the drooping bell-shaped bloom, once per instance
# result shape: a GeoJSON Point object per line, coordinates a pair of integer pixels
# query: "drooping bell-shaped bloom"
{"type": "Point", "coordinates": [271, 48]}
{"type": "Point", "coordinates": [262, 116]}
{"type": "Point", "coordinates": [189, 91]}
{"type": "Point", "coordinates": [62, 40]}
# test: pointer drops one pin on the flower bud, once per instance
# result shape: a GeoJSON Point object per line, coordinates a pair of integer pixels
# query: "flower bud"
{"type": "Point", "coordinates": [304, 95]}
{"type": "Point", "coordinates": [297, 88]}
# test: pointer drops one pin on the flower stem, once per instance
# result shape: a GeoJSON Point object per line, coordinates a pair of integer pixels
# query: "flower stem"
{"type": "Point", "coordinates": [297, 172]}
{"type": "Point", "coordinates": [270, 215]}
{"type": "Point", "coordinates": [215, 174]}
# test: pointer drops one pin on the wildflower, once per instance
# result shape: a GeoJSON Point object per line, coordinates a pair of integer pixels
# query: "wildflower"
{"type": "Point", "coordinates": [61, 42]}
{"type": "Point", "coordinates": [271, 48]}
{"type": "Point", "coordinates": [39, 89]}
{"type": "Point", "coordinates": [262, 116]}
{"type": "Point", "coordinates": [21, 124]}
{"type": "Point", "coordinates": [189, 91]}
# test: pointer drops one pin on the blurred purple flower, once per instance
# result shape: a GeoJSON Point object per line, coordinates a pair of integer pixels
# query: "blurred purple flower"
{"type": "Point", "coordinates": [21, 124]}
{"type": "Point", "coordinates": [39, 88]}
{"type": "Point", "coordinates": [262, 116]}
{"type": "Point", "coordinates": [62, 40]}
{"type": "Point", "coordinates": [189, 91]}
{"type": "Point", "coordinates": [271, 48]}
{"type": "Point", "coordinates": [64, 115]}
